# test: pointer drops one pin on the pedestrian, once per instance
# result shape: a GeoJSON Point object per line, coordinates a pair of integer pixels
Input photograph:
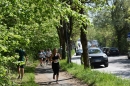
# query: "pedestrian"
{"type": "Point", "coordinates": [48, 54]}
{"type": "Point", "coordinates": [44, 57]}
{"type": "Point", "coordinates": [60, 51]}
{"type": "Point", "coordinates": [20, 65]}
{"type": "Point", "coordinates": [40, 57]}
{"type": "Point", "coordinates": [55, 64]}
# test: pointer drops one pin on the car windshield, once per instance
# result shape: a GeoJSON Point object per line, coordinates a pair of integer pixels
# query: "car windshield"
{"type": "Point", "coordinates": [94, 51]}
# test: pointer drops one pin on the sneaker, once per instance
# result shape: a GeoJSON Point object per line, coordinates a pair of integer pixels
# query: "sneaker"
{"type": "Point", "coordinates": [57, 82]}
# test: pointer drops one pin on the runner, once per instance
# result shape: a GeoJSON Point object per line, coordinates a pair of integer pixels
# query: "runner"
{"type": "Point", "coordinates": [40, 56]}
{"type": "Point", "coordinates": [48, 54]}
{"type": "Point", "coordinates": [20, 66]}
{"type": "Point", "coordinates": [55, 64]}
{"type": "Point", "coordinates": [44, 57]}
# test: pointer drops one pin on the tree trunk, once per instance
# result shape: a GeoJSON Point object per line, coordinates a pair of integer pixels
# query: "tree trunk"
{"type": "Point", "coordinates": [84, 44]}
{"type": "Point", "coordinates": [69, 31]}
{"type": "Point", "coordinates": [61, 33]}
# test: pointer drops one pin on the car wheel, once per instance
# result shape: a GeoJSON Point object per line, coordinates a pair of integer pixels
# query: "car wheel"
{"type": "Point", "coordinates": [128, 57]}
{"type": "Point", "coordinates": [106, 64]}
{"type": "Point", "coordinates": [92, 66]}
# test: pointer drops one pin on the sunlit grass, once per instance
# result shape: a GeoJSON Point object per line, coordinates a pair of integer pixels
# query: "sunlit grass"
{"type": "Point", "coordinates": [92, 76]}
{"type": "Point", "coordinates": [29, 80]}
{"type": "Point", "coordinates": [29, 75]}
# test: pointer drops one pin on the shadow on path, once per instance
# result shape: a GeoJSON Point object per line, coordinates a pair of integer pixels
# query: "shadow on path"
{"type": "Point", "coordinates": [51, 82]}
{"type": "Point", "coordinates": [42, 70]}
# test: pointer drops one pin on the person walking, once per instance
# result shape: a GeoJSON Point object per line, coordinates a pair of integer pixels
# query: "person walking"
{"type": "Point", "coordinates": [20, 66]}
{"type": "Point", "coordinates": [55, 64]}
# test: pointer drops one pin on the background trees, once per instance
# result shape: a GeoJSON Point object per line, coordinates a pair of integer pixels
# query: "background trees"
{"type": "Point", "coordinates": [42, 24]}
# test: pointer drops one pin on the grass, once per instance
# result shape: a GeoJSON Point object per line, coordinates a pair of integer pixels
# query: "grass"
{"type": "Point", "coordinates": [29, 75]}
{"type": "Point", "coordinates": [93, 78]}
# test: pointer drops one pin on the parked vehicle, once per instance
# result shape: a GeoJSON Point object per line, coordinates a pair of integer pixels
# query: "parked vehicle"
{"type": "Point", "coordinates": [94, 43]}
{"type": "Point", "coordinates": [97, 57]}
{"type": "Point", "coordinates": [128, 54]}
{"type": "Point", "coordinates": [113, 51]}
{"type": "Point", "coordinates": [105, 49]}
{"type": "Point", "coordinates": [79, 52]}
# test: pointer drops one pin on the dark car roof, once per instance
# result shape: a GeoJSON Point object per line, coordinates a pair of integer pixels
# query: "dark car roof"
{"type": "Point", "coordinates": [113, 48]}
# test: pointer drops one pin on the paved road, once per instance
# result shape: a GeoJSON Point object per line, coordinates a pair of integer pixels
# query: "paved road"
{"type": "Point", "coordinates": [118, 65]}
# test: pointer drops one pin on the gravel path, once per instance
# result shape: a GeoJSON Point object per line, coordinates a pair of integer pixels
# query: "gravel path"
{"type": "Point", "coordinates": [43, 77]}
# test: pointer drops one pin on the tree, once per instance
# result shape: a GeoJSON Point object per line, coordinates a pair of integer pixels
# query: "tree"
{"type": "Point", "coordinates": [120, 19]}
{"type": "Point", "coordinates": [105, 33]}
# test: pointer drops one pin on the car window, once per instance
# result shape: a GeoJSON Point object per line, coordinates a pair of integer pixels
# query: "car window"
{"type": "Point", "coordinates": [93, 51]}
{"type": "Point", "coordinates": [113, 49]}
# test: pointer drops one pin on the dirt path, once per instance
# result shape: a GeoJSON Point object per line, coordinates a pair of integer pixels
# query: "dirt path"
{"type": "Point", "coordinates": [43, 76]}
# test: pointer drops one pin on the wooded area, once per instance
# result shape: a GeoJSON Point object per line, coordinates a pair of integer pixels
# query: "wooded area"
{"type": "Point", "coordinates": [42, 24]}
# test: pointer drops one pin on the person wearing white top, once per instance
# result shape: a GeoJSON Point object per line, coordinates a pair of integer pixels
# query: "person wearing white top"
{"type": "Point", "coordinates": [40, 56]}
{"type": "Point", "coordinates": [48, 54]}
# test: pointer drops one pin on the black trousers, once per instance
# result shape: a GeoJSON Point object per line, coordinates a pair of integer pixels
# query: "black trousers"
{"type": "Point", "coordinates": [55, 67]}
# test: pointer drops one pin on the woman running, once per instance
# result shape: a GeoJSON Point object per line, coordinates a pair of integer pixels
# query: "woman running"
{"type": "Point", "coordinates": [55, 64]}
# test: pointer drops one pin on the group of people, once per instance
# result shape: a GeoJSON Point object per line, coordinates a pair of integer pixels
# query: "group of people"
{"type": "Point", "coordinates": [44, 56]}
{"type": "Point", "coordinates": [51, 57]}
{"type": "Point", "coordinates": [48, 56]}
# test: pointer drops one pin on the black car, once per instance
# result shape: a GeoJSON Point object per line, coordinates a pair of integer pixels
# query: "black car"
{"type": "Point", "coordinates": [97, 57]}
{"type": "Point", "coordinates": [105, 49]}
{"type": "Point", "coordinates": [79, 52]}
{"type": "Point", "coordinates": [128, 54]}
{"type": "Point", "coordinates": [112, 51]}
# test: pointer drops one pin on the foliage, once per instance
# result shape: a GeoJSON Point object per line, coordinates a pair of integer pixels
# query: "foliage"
{"type": "Point", "coordinates": [120, 20]}
{"type": "Point", "coordinates": [23, 25]}
{"type": "Point", "coordinates": [103, 29]}
{"type": "Point", "coordinates": [31, 24]}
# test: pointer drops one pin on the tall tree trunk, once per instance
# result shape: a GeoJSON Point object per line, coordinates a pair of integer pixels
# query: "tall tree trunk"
{"type": "Point", "coordinates": [61, 33]}
{"type": "Point", "coordinates": [69, 31]}
{"type": "Point", "coordinates": [69, 41]}
{"type": "Point", "coordinates": [84, 44]}
{"type": "Point", "coordinates": [64, 41]}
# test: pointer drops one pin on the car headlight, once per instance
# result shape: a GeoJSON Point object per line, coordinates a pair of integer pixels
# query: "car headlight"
{"type": "Point", "coordinates": [105, 56]}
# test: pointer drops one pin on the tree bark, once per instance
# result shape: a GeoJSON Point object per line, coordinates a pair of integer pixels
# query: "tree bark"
{"type": "Point", "coordinates": [61, 34]}
{"type": "Point", "coordinates": [84, 42]}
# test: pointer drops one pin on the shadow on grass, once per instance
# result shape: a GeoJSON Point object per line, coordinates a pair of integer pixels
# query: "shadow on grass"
{"type": "Point", "coordinates": [92, 84]}
{"type": "Point", "coordinates": [29, 83]}
{"type": "Point", "coordinates": [29, 69]}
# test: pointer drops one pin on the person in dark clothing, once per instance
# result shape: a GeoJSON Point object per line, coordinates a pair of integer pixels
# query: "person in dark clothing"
{"type": "Point", "coordinates": [55, 64]}
{"type": "Point", "coordinates": [22, 57]}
